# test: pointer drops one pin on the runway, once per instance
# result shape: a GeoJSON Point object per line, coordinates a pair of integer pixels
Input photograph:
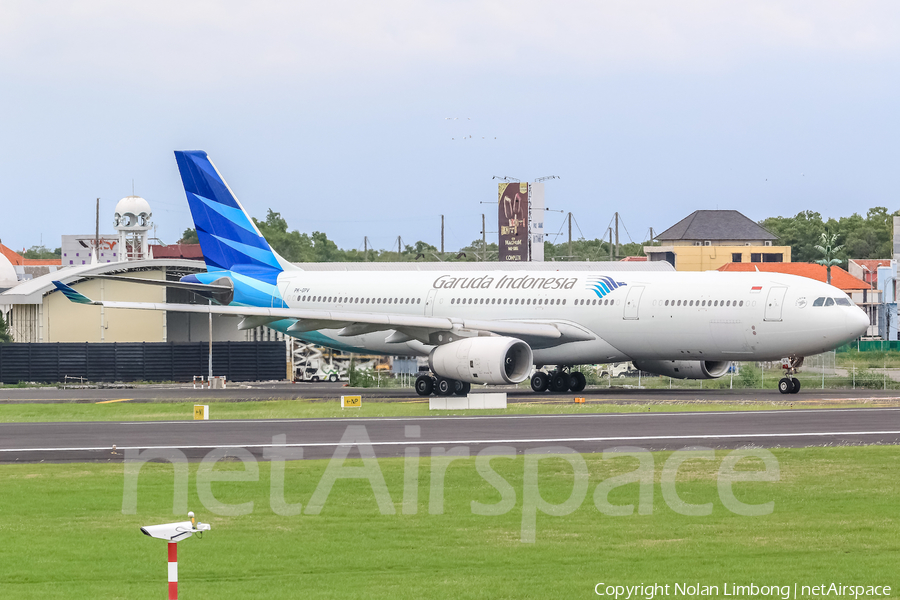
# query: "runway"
{"type": "Point", "coordinates": [258, 391]}
{"type": "Point", "coordinates": [319, 438]}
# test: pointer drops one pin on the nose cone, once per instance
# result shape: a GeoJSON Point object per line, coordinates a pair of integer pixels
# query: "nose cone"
{"type": "Point", "coordinates": [857, 323]}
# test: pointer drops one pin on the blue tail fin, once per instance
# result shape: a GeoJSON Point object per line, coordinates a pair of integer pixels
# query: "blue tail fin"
{"type": "Point", "coordinates": [228, 237]}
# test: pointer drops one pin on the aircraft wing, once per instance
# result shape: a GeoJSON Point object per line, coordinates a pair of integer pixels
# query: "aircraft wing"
{"type": "Point", "coordinates": [355, 323]}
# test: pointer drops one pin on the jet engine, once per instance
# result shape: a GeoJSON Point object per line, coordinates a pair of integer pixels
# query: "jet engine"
{"type": "Point", "coordinates": [492, 360]}
{"type": "Point", "coordinates": [685, 369]}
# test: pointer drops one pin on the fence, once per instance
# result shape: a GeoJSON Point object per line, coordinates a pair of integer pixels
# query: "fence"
{"type": "Point", "coordinates": [846, 368]}
{"type": "Point", "coordinates": [47, 363]}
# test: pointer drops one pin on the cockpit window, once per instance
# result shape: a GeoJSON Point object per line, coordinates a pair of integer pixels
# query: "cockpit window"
{"type": "Point", "coordinates": [842, 302]}
{"type": "Point", "coordinates": [829, 301]}
{"type": "Point", "coordinates": [818, 301]}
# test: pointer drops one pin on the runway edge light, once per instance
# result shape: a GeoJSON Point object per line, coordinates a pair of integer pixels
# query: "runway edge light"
{"type": "Point", "coordinates": [174, 533]}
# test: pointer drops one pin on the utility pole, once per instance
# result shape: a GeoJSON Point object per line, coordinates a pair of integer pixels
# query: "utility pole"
{"type": "Point", "coordinates": [442, 234]}
{"type": "Point", "coordinates": [399, 247]}
{"type": "Point", "coordinates": [570, 235]}
{"type": "Point", "coordinates": [617, 235]}
{"type": "Point", "coordinates": [97, 233]}
{"type": "Point", "coordinates": [651, 235]}
{"type": "Point", "coordinates": [210, 375]}
{"type": "Point", "coordinates": [483, 240]}
{"type": "Point", "coordinates": [366, 248]}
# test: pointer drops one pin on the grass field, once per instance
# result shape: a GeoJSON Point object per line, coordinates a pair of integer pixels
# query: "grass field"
{"type": "Point", "coordinates": [306, 409]}
{"type": "Point", "coordinates": [835, 519]}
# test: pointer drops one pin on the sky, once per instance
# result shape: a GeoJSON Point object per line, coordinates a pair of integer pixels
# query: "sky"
{"type": "Point", "coordinates": [354, 117]}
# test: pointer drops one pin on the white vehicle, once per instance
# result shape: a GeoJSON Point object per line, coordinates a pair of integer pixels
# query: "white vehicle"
{"type": "Point", "coordinates": [493, 326]}
{"type": "Point", "coordinates": [320, 374]}
{"type": "Point", "coordinates": [623, 369]}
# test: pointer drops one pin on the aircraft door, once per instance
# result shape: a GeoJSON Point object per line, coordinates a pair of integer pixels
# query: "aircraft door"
{"type": "Point", "coordinates": [774, 303]}
{"type": "Point", "coordinates": [429, 302]}
{"type": "Point", "coordinates": [632, 302]}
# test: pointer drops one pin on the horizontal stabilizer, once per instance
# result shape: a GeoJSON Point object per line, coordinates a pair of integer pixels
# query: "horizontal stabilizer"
{"type": "Point", "coordinates": [182, 285]}
{"type": "Point", "coordinates": [72, 295]}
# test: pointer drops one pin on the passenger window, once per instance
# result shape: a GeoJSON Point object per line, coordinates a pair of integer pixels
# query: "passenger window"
{"type": "Point", "coordinates": [842, 302]}
{"type": "Point", "coordinates": [829, 302]}
{"type": "Point", "coordinates": [818, 301]}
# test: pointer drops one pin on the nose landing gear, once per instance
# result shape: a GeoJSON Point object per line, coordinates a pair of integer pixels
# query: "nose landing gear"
{"type": "Point", "coordinates": [788, 384]}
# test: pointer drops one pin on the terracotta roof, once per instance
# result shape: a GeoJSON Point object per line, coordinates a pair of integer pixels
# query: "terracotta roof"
{"type": "Point", "coordinates": [704, 225]}
{"type": "Point", "coordinates": [840, 278]}
{"type": "Point", "coordinates": [872, 263]}
{"type": "Point", "coordinates": [14, 257]}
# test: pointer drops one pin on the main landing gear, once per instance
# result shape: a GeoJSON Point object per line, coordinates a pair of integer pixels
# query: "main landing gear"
{"type": "Point", "coordinates": [558, 381]}
{"type": "Point", "coordinates": [426, 385]}
{"type": "Point", "coordinates": [789, 385]}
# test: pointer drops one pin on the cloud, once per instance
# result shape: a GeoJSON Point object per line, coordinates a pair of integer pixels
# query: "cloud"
{"type": "Point", "coordinates": [178, 43]}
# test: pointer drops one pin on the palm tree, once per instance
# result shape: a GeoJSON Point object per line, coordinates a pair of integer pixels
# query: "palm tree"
{"type": "Point", "coordinates": [828, 249]}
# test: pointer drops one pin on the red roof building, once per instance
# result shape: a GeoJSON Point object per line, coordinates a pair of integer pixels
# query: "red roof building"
{"type": "Point", "coordinates": [840, 278]}
{"type": "Point", "coordinates": [867, 268]}
{"type": "Point", "coordinates": [17, 259]}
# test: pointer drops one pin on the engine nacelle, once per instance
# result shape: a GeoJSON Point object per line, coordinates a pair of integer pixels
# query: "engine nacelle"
{"type": "Point", "coordinates": [492, 360]}
{"type": "Point", "coordinates": [685, 369]}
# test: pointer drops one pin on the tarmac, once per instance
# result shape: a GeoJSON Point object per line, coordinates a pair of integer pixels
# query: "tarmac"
{"type": "Point", "coordinates": [878, 423]}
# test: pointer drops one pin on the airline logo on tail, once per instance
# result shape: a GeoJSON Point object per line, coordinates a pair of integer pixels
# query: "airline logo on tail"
{"type": "Point", "coordinates": [228, 237]}
{"type": "Point", "coordinates": [603, 285]}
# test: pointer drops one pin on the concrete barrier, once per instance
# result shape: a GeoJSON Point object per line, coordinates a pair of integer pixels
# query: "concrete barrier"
{"type": "Point", "coordinates": [476, 401]}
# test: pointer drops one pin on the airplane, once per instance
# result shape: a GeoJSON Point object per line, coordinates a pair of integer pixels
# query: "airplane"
{"type": "Point", "coordinates": [502, 327]}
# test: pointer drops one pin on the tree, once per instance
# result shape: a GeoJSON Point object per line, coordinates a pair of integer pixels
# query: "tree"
{"type": "Point", "coordinates": [42, 252]}
{"type": "Point", "coordinates": [869, 237]}
{"type": "Point", "coordinates": [828, 250]}
{"type": "Point", "coordinates": [5, 335]}
{"type": "Point", "coordinates": [189, 236]}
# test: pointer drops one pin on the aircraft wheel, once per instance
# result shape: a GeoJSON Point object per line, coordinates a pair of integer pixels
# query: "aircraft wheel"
{"type": "Point", "coordinates": [577, 382]}
{"type": "Point", "coordinates": [785, 385]}
{"type": "Point", "coordinates": [461, 388]}
{"type": "Point", "coordinates": [424, 385]}
{"type": "Point", "coordinates": [540, 381]}
{"type": "Point", "coordinates": [796, 387]}
{"type": "Point", "coordinates": [559, 383]}
{"type": "Point", "coordinates": [444, 387]}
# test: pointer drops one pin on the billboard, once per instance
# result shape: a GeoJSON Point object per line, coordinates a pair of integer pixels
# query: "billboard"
{"type": "Point", "coordinates": [513, 220]}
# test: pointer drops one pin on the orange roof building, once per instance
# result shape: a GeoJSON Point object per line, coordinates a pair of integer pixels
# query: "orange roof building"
{"type": "Point", "coordinates": [17, 259]}
{"type": "Point", "coordinates": [840, 278]}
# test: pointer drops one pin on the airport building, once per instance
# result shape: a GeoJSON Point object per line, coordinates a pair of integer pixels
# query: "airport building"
{"type": "Point", "coordinates": [36, 312]}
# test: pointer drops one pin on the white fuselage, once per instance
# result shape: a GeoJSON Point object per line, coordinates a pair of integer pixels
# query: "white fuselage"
{"type": "Point", "coordinates": [649, 316]}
